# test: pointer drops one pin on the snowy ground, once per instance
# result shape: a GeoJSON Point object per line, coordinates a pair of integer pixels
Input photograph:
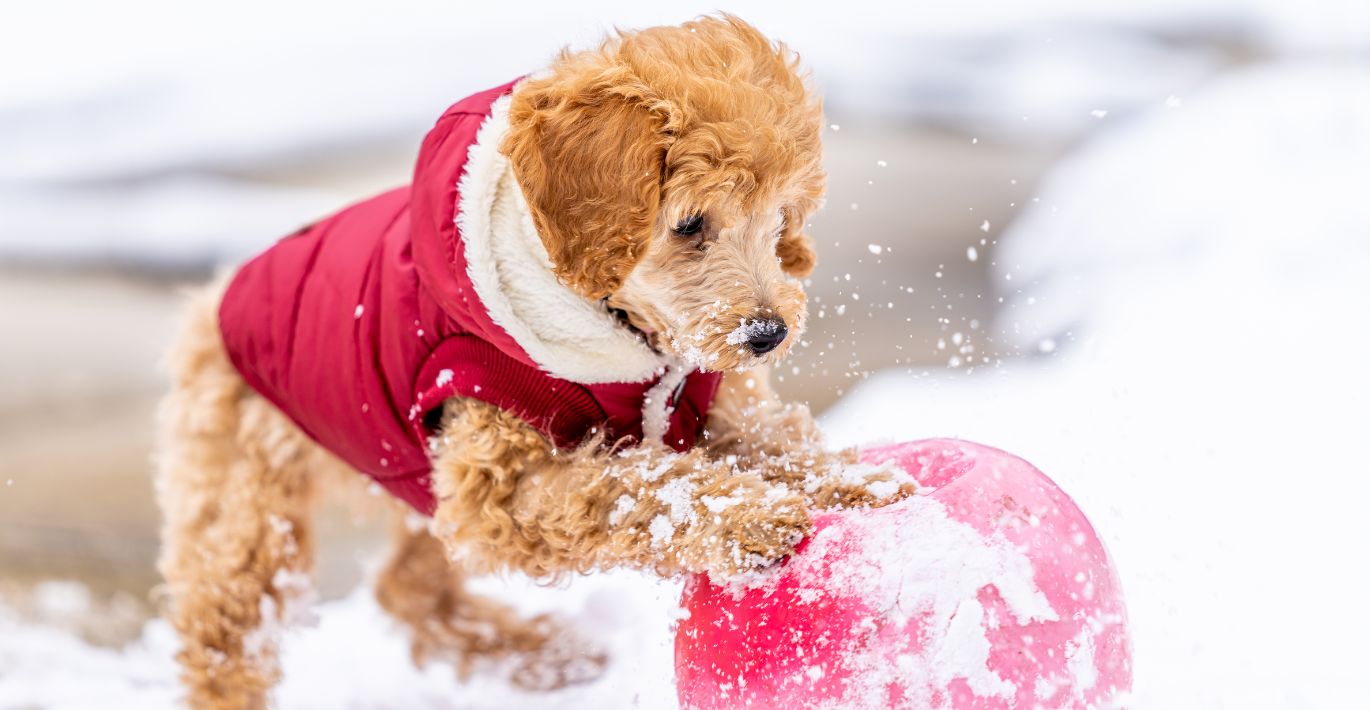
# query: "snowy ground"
{"type": "Point", "coordinates": [1189, 292]}
{"type": "Point", "coordinates": [356, 658]}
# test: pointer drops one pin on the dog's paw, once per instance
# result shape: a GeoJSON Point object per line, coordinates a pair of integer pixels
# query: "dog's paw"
{"type": "Point", "coordinates": [562, 658]}
{"type": "Point", "coordinates": [858, 485]}
{"type": "Point", "coordinates": [875, 493]}
{"type": "Point", "coordinates": [746, 537]}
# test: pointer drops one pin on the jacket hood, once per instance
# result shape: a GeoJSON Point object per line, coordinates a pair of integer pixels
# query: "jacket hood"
{"type": "Point", "coordinates": [481, 258]}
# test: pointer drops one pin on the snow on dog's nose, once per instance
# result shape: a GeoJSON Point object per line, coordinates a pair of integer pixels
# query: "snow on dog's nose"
{"type": "Point", "coordinates": [761, 335]}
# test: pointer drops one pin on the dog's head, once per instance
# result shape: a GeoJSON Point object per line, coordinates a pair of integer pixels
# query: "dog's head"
{"type": "Point", "coordinates": [670, 172]}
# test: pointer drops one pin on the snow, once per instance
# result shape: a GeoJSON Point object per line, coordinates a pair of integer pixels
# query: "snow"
{"type": "Point", "coordinates": [661, 530]}
{"type": "Point", "coordinates": [356, 658]}
{"type": "Point", "coordinates": [622, 507]}
{"type": "Point", "coordinates": [747, 329]}
{"type": "Point", "coordinates": [678, 495]}
{"type": "Point", "coordinates": [1080, 655]}
{"type": "Point", "coordinates": [917, 577]}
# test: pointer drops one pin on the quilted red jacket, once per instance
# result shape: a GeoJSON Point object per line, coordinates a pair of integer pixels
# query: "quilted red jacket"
{"type": "Point", "coordinates": [359, 326]}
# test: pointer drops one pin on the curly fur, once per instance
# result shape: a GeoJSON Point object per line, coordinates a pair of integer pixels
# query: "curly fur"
{"type": "Point", "coordinates": [616, 144]}
{"type": "Point", "coordinates": [611, 148]}
{"type": "Point", "coordinates": [236, 484]}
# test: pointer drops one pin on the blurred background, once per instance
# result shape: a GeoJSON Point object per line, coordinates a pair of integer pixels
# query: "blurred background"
{"type": "Point", "coordinates": [1128, 240]}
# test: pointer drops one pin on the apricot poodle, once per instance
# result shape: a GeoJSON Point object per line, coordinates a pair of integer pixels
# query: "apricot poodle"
{"type": "Point", "coordinates": [551, 349]}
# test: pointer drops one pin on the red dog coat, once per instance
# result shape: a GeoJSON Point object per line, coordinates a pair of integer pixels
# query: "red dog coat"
{"type": "Point", "coordinates": [359, 326]}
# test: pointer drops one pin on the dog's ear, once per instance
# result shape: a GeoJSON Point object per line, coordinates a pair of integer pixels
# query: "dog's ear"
{"type": "Point", "coordinates": [588, 149]}
{"type": "Point", "coordinates": [795, 250]}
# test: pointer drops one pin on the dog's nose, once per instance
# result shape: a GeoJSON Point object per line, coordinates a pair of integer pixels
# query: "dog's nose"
{"type": "Point", "coordinates": [766, 335]}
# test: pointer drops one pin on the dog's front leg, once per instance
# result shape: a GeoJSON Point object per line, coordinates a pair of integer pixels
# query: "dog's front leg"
{"type": "Point", "coordinates": [508, 499]}
{"type": "Point", "coordinates": [749, 422]}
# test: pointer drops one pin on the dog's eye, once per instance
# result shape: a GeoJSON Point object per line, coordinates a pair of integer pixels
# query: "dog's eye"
{"type": "Point", "coordinates": [690, 225]}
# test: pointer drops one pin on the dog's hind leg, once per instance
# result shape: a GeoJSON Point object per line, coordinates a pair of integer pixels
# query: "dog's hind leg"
{"type": "Point", "coordinates": [236, 537]}
{"type": "Point", "coordinates": [424, 590]}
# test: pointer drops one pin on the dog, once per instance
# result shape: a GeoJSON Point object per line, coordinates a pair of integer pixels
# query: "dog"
{"type": "Point", "coordinates": [553, 346]}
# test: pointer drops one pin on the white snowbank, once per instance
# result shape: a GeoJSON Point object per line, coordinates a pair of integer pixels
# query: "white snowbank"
{"type": "Point", "coordinates": [905, 571]}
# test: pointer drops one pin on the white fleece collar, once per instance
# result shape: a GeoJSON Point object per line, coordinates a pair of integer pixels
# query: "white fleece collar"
{"type": "Point", "coordinates": [566, 334]}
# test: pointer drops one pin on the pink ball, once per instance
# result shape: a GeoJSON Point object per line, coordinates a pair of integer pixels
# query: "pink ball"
{"type": "Point", "coordinates": [989, 590]}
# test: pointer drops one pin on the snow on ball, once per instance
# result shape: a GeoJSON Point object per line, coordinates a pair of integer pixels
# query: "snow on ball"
{"type": "Point", "coordinates": [989, 590]}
